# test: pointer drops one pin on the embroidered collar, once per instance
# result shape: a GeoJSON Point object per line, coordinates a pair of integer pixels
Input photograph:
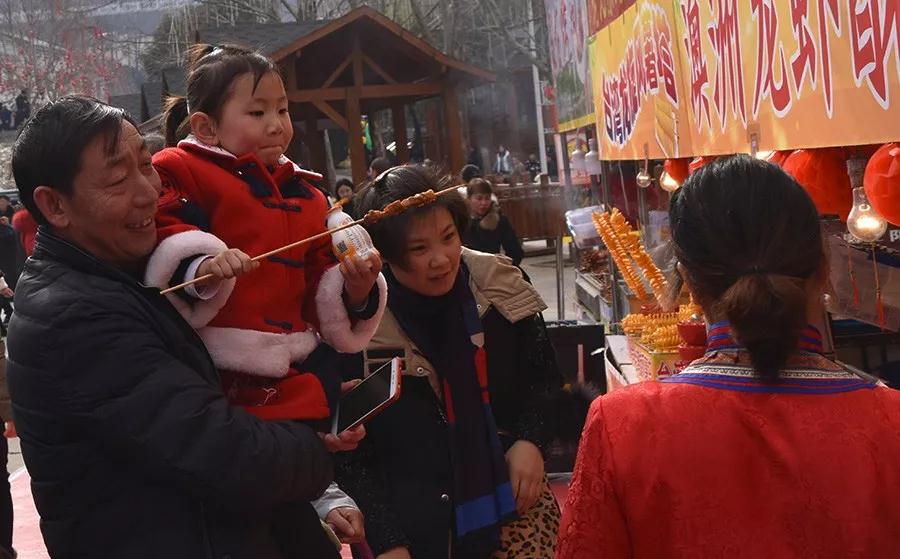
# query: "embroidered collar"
{"type": "Point", "coordinates": [719, 337]}
{"type": "Point", "coordinates": [727, 366]}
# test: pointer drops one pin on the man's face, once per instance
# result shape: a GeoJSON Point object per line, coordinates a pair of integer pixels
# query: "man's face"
{"type": "Point", "coordinates": [4, 204]}
{"type": "Point", "coordinates": [111, 212]}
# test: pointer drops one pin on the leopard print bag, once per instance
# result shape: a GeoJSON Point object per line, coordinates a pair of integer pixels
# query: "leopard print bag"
{"type": "Point", "coordinates": [533, 536]}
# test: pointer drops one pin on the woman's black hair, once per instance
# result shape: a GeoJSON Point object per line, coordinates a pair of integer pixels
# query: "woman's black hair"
{"type": "Point", "coordinates": [389, 235]}
{"type": "Point", "coordinates": [49, 147]}
{"type": "Point", "coordinates": [749, 240]}
{"type": "Point", "coordinates": [470, 172]}
{"type": "Point", "coordinates": [211, 73]}
{"type": "Point", "coordinates": [380, 165]}
{"type": "Point", "coordinates": [479, 185]}
{"type": "Point", "coordinates": [343, 181]}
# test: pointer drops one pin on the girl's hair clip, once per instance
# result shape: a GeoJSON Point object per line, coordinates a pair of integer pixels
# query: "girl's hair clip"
{"type": "Point", "coordinates": [385, 173]}
{"type": "Point", "coordinates": [215, 50]}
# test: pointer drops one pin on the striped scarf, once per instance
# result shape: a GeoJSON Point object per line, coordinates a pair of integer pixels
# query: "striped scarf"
{"type": "Point", "coordinates": [448, 331]}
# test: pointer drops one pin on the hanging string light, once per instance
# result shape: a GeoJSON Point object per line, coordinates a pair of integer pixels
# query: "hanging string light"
{"type": "Point", "coordinates": [863, 222]}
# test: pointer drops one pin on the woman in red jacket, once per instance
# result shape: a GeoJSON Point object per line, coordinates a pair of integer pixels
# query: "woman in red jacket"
{"type": "Point", "coordinates": [762, 448]}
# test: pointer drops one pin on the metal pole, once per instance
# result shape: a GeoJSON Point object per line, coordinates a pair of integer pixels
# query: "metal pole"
{"type": "Point", "coordinates": [643, 215]}
{"type": "Point", "coordinates": [560, 280]}
{"type": "Point", "coordinates": [538, 97]}
{"type": "Point", "coordinates": [566, 177]}
{"type": "Point", "coordinates": [560, 274]}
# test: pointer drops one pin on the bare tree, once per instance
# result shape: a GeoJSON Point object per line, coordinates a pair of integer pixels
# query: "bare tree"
{"type": "Point", "coordinates": [176, 32]}
{"type": "Point", "coordinates": [50, 48]}
{"type": "Point", "coordinates": [490, 33]}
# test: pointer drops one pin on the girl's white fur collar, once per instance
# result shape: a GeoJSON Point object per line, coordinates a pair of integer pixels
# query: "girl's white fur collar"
{"type": "Point", "coordinates": [192, 141]}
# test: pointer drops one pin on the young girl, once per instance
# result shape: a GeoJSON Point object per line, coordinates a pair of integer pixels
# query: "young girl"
{"type": "Point", "coordinates": [229, 191]}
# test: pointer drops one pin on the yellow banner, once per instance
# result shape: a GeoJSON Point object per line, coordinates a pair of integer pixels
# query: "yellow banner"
{"type": "Point", "coordinates": [674, 78]}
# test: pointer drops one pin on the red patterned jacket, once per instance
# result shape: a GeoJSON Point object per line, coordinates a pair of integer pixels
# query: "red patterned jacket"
{"type": "Point", "coordinates": [715, 463]}
{"type": "Point", "coordinates": [278, 314]}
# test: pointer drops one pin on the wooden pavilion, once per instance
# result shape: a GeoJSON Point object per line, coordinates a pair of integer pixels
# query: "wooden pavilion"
{"type": "Point", "coordinates": [355, 65]}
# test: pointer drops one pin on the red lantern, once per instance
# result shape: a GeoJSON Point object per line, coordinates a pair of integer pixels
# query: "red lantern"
{"type": "Point", "coordinates": [700, 162]}
{"type": "Point", "coordinates": [779, 157]}
{"type": "Point", "coordinates": [823, 174]}
{"type": "Point", "coordinates": [882, 182]}
{"type": "Point", "coordinates": [678, 169]}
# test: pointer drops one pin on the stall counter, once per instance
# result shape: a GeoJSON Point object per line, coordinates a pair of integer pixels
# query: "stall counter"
{"type": "Point", "coordinates": [620, 371]}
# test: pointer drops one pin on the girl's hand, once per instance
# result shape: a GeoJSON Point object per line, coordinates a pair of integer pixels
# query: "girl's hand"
{"type": "Point", "coordinates": [526, 473]}
{"type": "Point", "coordinates": [226, 265]}
{"type": "Point", "coordinates": [396, 553]}
{"type": "Point", "coordinates": [347, 523]}
{"type": "Point", "coordinates": [359, 277]}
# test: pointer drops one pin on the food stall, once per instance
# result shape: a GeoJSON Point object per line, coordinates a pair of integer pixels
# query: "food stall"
{"type": "Point", "coordinates": [667, 100]}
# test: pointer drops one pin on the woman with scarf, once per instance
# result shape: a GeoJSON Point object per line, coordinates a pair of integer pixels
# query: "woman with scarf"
{"type": "Point", "coordinates": [454, 469]}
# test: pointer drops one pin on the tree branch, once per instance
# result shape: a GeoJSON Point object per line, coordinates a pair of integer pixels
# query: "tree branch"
{"type": "Point", "coordinates": [494, 13]}
{"type": "Point", "coordinates": [294, 13]}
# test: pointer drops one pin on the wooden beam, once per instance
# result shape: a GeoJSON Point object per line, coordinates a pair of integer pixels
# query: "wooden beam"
{"type": "Point", "coordinates": [329, 111]}
{"type": "Point", "coordinates": [357, 55]}
{"type": "Point", "coordinates": [378, 69]}
{"type": "Point", "coordinates": [337, 72]}
{"type": "Point", "coordinates": [398, 115]}
{"type": "Point", "coordinates": [315, 141]}
{"type": "Point", "coordinates": [354, 137]}
{"type": "Point", "coordinates": [420, 89]}
{"type": "Point", "coordinates": [402, 34]}
{"type": "Point", "coordinates": [401, 90]}
{"type": "Point", "coordinates": [290, 73]}
{"type": "Point", "coordinates": [454, 129]}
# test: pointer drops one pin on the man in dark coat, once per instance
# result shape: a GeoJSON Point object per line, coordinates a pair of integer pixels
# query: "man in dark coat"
{"type": "Point", "coordinates": [5, 117]}
{"type": "Point", "coordinates": [23, 108]}
{"type": "Point", "coordinates": [132, 448]}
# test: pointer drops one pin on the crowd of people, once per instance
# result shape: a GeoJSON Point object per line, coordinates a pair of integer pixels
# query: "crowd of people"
{"type": "Point", "coordinates": [13, 119]}
{"type": "Point", "coordinates": [197, 423]}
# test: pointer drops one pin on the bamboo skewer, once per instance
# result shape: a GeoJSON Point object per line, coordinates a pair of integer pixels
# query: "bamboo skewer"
{"type": "Point", "coordinates": [370, 217]}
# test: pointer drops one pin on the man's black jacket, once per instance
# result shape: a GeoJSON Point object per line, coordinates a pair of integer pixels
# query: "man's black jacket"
{"type": "Point", "coordinates": [132, 448]}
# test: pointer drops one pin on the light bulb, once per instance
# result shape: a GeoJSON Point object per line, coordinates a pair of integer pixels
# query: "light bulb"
{"type": "Point", "coordinates": [577, 161]}
{"type": "Point", "coordinates": [592, 159]}
{"type": "Point", "coordinates": [667, 183]}
{"type": "Point", "coordinates": [864, 222]}
{"type": "Point", "coordinates": [643, 179]}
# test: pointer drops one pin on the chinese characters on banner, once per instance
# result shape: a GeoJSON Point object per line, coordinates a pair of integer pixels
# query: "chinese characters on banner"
{"type": "Point", "coordinates": [567, 34]}
{"type": "Point", "coordinates": [674, 78]}
{"type": "Point", "coordinates": [601, 14]}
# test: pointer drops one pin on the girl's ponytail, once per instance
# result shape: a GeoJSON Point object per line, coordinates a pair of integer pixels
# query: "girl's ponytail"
{"type": "Point", "coordinates": [175, 120]}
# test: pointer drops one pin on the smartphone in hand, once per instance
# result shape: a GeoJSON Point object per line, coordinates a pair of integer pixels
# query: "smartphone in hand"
{"type": "Point", "coordinates": [368, 398]}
